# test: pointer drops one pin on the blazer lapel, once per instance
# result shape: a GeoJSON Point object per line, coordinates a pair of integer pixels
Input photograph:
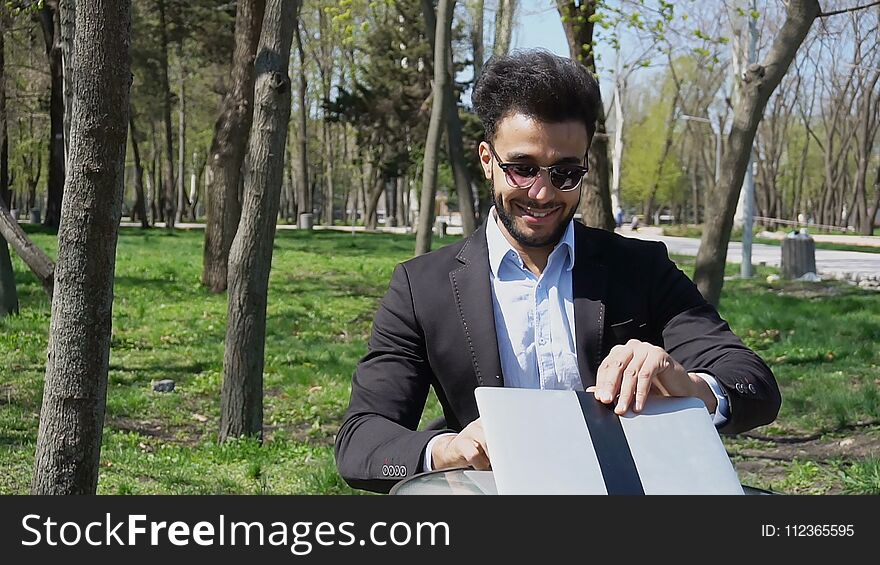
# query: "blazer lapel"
{"type": "Point", "coordinates": [473, 296]}
{"type": "Point", "coordinates": [589, 288]}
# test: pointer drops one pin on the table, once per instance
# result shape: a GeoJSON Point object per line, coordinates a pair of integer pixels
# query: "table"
{"type": "Point", "coordinates": [470, 482]}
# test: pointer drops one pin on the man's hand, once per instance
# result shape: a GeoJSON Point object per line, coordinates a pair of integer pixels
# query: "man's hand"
{"type": "Point", "coordinates": [636, 369]}
{"type": "Point", "coordinates": [467, 448]}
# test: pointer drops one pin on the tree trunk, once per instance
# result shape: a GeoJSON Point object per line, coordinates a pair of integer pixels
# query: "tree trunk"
{"type": "Point", "coordinates": [758, 84]}
{"type": "Point", "coordinates": [328, 173]}
{"type": "Point", "coordinates": [667, 147]}
{"type": "Point", "coordinates": [139, 201]}
{"type": "Point", "coordinates": [442, 46]}
{"type": "Point", "coordinates": [198, 172]}
{"type": "Point", "coordinates": [8, 290]}
{"type": "Point", "coordinates": [222, 205]}
{"type": "Point", "coordinates": [250, 258]}
{"type": "Point", "coordinates": [74, 395]}
{"type": "Point", "coordinates": [303, 189]}
{"type": "Point", "coordinates": [454, 136]}
{"type": "Point", "coordinates": [50, 20]}
{"type": "Point", "coordinates": [596, 191]}
{"type": "Point", "coordinates": [476, 9]}
{"type": "Point", "coordinates": [168, 192]}
{"type": "Point", "coordinates": [37, 261]}
{"type": "Point", "coordinates": [503, 26]}
{"type": "Point", "coordinates": [66, 17]}
{"type": "Point", "coordinates": [399, 206]}
{"type": "Point", "coordinates": [181, 145]}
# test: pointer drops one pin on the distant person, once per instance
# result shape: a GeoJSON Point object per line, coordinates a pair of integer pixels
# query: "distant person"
{"type": "Point", "coordinates": [533, 299]}
{"type": "Point", "coordinates": [618, 217]}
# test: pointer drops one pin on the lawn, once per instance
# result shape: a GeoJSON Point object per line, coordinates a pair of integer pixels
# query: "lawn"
{"type": "Point", "coordinates": [820, 339]}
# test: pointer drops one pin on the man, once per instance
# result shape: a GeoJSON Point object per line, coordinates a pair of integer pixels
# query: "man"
{"type": "Point", "coordinates": [533, 299]}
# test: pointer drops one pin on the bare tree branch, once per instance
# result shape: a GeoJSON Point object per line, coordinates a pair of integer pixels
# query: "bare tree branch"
{"type": "Point", "coordinates": [845, 10]}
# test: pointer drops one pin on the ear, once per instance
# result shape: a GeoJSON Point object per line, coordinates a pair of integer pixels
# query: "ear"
{"type": "Point", "coordinates": [485, 159]}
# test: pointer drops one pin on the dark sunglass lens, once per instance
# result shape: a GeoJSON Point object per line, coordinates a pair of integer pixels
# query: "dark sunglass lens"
{"type": "Point", "coordinates": [565, 177]}
{"type": "Point", "coordinates": [522, 174]}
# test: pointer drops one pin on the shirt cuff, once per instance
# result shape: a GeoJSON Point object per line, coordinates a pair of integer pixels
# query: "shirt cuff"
{"type": "Point", "coordinates": [426, 463]}
{"type": "Point", "coordinates": [722, 411]}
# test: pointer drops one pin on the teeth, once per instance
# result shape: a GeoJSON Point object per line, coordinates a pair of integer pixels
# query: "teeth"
{"type": "Point", "coordinates": [537, 214]}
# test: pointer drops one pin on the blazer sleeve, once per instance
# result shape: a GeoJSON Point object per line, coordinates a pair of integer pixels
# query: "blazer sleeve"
{"type": "Point", "coordinates": [377, 444]}
{"type": "Point", "coordinates": [697, 337]}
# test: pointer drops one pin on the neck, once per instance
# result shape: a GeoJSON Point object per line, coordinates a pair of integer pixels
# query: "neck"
{"type": "Point", "coordinates": [534, 258]}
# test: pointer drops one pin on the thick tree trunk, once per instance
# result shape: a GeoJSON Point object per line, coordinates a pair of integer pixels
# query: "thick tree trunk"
{"type": "Point", "coordinates": [454, 136]}
{"type": "Point", "coordinates": [140, 207]}
{"type": "Point", "coordinates": [51, 23]}
{"type": "Point", "coordinates": [250, 258]}
{"type": "Point", "coordinates": [74, 395]}
{"type": "Point", "coordinates": [228, 147]}
{"type": "Point", "coordinates": [596, 191]}
{"type": "Point", "coordinates": [442, 46]}
{"type": "Point", "coordinates": [168, 192]}
{"type": "Point", "coordinates": [503, 26]}
{"type": "Point", "coordinates": [758, 84]}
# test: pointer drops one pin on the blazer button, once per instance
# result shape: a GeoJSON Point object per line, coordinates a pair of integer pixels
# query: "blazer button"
{"type": "Point", "coordinates": [752, 389]}
{"type": "Point", "coordinates": [739, 388]}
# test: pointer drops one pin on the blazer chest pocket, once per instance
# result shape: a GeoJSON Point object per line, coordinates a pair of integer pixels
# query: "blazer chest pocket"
{"type": "Point", "coordinates": [631, 328]}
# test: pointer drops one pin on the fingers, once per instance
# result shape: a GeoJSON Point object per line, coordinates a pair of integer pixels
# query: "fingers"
{"type": "Point", "coordinates": [610, 372]}
{"type": "Point", "coordinates": [627, 375]}
{"type": "Point", "coordinates": [633, 374]}
{"type": "Point", "coordinates": [471, 446]}
{"type": "Point", "coordinates": [656, 362]}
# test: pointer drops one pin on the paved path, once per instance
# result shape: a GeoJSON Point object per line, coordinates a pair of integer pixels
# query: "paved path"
{"type": "Point", "coordinates": [840, 264]}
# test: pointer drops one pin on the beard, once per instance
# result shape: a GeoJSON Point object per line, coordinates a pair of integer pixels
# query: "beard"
{"type": "Point", "coordinates": [508, 219]}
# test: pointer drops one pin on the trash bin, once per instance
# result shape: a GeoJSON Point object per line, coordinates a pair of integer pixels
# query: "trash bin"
{"type": "Point", "coordinates": [798, 254]}
{"type": "Point", "coordinates": [306, 221]}
{"type": "Point", "coordinates": [35, 215]}
{"type": "Point", "coordinates": [441, 228]}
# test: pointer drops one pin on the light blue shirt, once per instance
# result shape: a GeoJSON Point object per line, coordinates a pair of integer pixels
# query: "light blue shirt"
{"type": "Point", "coordinates": [534, 315]}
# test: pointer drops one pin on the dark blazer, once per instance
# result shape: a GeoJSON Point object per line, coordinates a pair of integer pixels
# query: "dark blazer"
{"type": "Point", "coordinates": [436, 327]}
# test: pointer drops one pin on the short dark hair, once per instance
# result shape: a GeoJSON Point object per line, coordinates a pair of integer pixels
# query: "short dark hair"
{"type": "Point", "coordinates": [540, 85]}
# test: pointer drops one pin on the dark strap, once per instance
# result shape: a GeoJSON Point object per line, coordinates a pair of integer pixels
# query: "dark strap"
{"type": "Point", "coordinates": [612, 449]}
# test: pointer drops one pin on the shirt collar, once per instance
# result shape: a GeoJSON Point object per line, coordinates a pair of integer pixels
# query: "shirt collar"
{"type": "Point", "coordinates": [499, 247]}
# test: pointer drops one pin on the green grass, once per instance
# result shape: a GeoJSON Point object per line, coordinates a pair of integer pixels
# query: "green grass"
{"type": "Point", "coordinates": [820, 340]}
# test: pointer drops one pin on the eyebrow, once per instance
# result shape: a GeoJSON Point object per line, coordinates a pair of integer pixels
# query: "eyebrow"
{"type": "Point", "coordinates": [517, 156]}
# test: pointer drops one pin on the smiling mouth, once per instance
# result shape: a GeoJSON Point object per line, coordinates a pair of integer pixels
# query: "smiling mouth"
{"type": "Point", "coordinates": [537, 212]}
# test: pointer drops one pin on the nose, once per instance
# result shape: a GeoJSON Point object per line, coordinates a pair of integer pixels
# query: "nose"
{"type": "Point", "coordinates": [543, 190]}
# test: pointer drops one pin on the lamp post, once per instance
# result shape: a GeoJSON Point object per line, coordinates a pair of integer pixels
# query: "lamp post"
{"type": "Point", "coordinates": [717, 147]}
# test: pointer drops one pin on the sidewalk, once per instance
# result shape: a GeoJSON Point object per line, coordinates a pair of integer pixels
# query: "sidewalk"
{"type": "Point", "coordinates": [866, 240]}
{"type": "Point", "coordinates": [853, 266]}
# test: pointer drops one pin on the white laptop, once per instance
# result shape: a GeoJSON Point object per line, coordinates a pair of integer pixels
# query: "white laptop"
{"type": "Point", "coordinates": [565, 442]}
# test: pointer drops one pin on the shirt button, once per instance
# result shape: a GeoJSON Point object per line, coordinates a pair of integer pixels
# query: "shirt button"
{"type": "Point", "coordinates": [542, 341]}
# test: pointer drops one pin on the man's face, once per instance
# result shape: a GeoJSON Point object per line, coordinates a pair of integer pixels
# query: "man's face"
{"type": "Point", "coordinates": [536, 216]}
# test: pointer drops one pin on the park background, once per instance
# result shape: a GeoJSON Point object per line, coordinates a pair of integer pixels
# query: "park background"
{"type": "Point", "coordinates": [363, 181]}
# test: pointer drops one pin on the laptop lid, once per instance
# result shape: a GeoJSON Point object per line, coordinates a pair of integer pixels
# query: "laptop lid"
{"type": "Point", "coordinates": [565, 442]}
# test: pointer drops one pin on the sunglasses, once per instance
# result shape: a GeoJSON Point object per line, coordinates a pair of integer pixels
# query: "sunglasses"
{"type": "Point", "coordinates": [563, 177]}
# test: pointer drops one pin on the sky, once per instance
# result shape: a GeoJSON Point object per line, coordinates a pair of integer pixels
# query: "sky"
{"type": "Point", "coordinates": [538, 25]}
